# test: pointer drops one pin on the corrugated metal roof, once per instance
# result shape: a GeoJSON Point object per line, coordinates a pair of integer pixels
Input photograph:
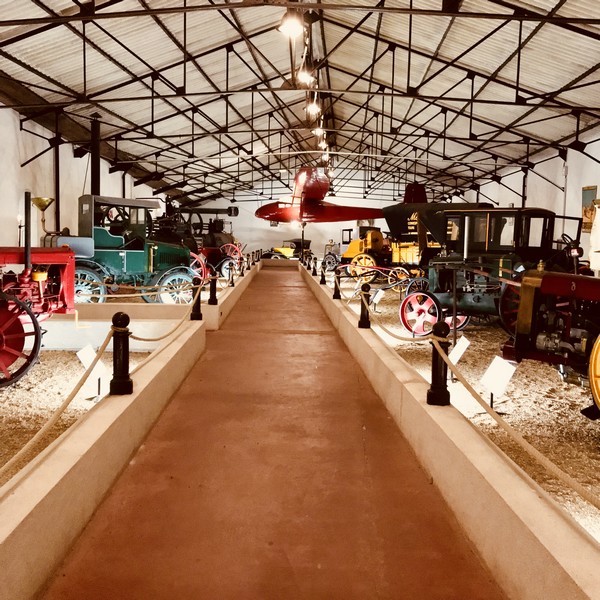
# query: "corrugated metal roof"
{"type": "Point", "coordinates": [211, 92]}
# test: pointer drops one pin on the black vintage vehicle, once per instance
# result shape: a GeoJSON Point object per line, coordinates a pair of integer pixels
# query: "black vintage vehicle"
{"type": "Point", "coordinates": [482, 250]}
{"type": "Point", "coordinates": [214, 250]}
{"type": "Point", "coordinates": [115, 246]}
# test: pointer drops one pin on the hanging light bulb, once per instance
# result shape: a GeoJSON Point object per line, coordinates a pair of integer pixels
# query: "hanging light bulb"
{"type": "Point", "coordinates": [305, 77]}
{"type": "Point", "coordinates": [318, 131]}
{"type": "Point", "coordinates": [292, 25]}
{"type": "Point", "coordinates": [322, 144]}
{"type": "Point", "coordinates": [313, 108]}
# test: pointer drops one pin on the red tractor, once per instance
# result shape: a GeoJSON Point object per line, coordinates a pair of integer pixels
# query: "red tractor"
{"type": "Point", "coordinates": [558, 322]}
{"type": "Point", "coordinates": [44, 286]}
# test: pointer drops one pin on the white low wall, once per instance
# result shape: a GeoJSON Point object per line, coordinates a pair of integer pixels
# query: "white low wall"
{"type": "Point", "coordinates": [92, 322]}
{"type": "Point", "coordinates": [534, 549]}
{"type": "Point", "coordinates": [44, 508]}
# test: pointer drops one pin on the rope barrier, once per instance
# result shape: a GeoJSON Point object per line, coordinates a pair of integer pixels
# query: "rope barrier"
{"type": "Point", "coordinates": [146, 290]}
{"type": "Point", "coordinates": [545, 462]}
{"type": "Point", "coordinates": [517, 437]}
{"type": "Point", "coordinates": [18, 457]}
{"type": "Point", "coordinates": [58, 412]}
{"type": "Point", "coordinates": [422, 338]}
{"type": "Point", "coordinates": [184, 318]}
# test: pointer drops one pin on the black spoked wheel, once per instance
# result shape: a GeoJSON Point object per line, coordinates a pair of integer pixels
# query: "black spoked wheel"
{"type": "Point", "coordinates": [418, 284]}
{"type": "Point", "coordinates": [330, 261]}
{"type": "Point", "coordinates": [20, 339]}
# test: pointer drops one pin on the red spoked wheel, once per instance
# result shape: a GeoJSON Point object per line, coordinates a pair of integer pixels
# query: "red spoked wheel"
{"type": "Point", "coordinates": [419, 312]}
{"type": "Point", "coordinates": [508, 306]}
{"type": "Point", "coordinates": [200, 267]}
{"type": "Point", "coordinates": [20, 339]}
{"type": "Point", "coordinates": [233, 251]}
{"type": "Point", "coordinates": [461, 321]}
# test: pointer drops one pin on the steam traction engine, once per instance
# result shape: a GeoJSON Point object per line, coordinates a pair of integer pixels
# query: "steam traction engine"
{"type": "Point", "coordinates": [558, 322]}
{"type": "Point", "coordinates": [44, 286]}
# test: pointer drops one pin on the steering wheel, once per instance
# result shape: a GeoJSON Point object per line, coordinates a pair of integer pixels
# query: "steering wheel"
{"type": "Point", "coordinates": [567, 239]}
{"type": "Point", "coordinates": [114, 215]}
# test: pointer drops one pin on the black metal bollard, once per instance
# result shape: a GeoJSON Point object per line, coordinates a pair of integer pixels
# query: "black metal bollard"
{"type": "Point", "coordinates": [196, 314]}
{"type": "Point", "coordinates": [322, 280]}
{"type": "Point", "coordinates": [364, 322]}
{"type": "Point", "coordinates": [336, 287]}
{"type": "Point", "coordinates": [314, 266]}
{"type": "Point", "coordinates": [242, 265]}
{"type": "Point", "coordinates": [212, 296]}
{"type": "Point", "coordinates": [253, 259]}
{"type": "Point", "coordinates": [230, 275]}
{"type": "Point", "coordinates": [438, 393]}
{"type": "Point", "coordinates": [121, 383]}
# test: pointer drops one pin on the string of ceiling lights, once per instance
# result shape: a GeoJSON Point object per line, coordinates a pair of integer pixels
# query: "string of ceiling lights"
{"type": "Point", "coordinates": [294, 27]}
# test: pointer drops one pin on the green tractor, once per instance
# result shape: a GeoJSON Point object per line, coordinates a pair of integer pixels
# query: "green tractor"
{"type": "Point", "coordinates": [115, 247]}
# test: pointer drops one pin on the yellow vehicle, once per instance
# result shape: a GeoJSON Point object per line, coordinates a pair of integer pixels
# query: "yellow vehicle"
{"type": "Point", "coordinates": [290, 249]}
{"type": "Point", "coordinates": [373, 255]}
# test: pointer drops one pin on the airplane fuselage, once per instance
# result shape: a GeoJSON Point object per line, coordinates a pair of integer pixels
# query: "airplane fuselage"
{"type": "Point", "coordinates": [307, 205]}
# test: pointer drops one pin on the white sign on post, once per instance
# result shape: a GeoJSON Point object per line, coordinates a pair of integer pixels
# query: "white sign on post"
{"type": "Point", "coordinates": [458, 350]}
{"type": "Point", "coordinates": [497, 376]}
{"type": "Point", "coordinates": [98, 382]}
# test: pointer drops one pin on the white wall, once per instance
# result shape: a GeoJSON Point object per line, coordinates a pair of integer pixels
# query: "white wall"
{"type": "Point", "coordinates": [578, 172]}
{"type": "Point", "coordinates": [38, 178]}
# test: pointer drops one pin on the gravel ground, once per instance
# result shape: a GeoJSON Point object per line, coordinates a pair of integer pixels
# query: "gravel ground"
{"type": "Point", "coordinates": [27, 405]}
{"type": "Point", "coordinates": [536, 403]}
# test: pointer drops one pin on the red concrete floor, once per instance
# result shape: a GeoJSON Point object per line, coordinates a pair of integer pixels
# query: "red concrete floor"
{"type": "Point", "coordinates": [274, 473]}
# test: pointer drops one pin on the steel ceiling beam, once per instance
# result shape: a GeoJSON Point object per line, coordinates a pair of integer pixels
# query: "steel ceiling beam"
{"type": "Point", "coordinates": [253, 4]}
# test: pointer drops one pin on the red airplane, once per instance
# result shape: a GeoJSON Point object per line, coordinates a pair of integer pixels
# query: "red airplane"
{"type": "Point", "coordinates": [306, 204]}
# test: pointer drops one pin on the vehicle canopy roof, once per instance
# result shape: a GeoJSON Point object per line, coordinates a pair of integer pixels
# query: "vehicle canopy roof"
{"type": "Point", "coordinates": [433, 215]}
{"type": "Point", "coordinates": [298, 243]}
{"type": "Point", "coordinates": [148, 203]}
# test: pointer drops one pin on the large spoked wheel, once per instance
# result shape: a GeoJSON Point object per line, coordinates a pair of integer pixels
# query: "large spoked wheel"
{"type": "Point", "coordinates": [417, 284]}
{"type": "Point", "coordinates": [461, 321]}
{"type": "Point", "coordinates": [20, 339]}
{"type": "Point", "coordinates": [398, 279]}
{"type": "Point", "coordinates": [419, 312]}
{"type": "Point", "coordinates": [225, 268]}
{"type": "Point", "coordinates": [89, 286]}
{"type": "Point", "coordinates": [200, 267]}
{"type": "Point", "coordinates": [594, 371]}
{"type": "Point", "coordinates": [234, 252]}
{"type": "Point", "coordinates": [174, 287]}
{"type": "Point", "coordinates": [330, 261]}
{"type": "Point", "coordinates": [362, 268]}
{"type": "Point", "coordinates": [508, 306]}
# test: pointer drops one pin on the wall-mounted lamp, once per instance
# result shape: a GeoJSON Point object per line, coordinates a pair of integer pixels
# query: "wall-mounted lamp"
{"type": "Point", "coordinates": [292, 24]}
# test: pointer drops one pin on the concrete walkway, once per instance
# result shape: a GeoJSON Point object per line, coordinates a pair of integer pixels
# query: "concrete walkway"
{"type": "Point", "coordinates": [275, 473]}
